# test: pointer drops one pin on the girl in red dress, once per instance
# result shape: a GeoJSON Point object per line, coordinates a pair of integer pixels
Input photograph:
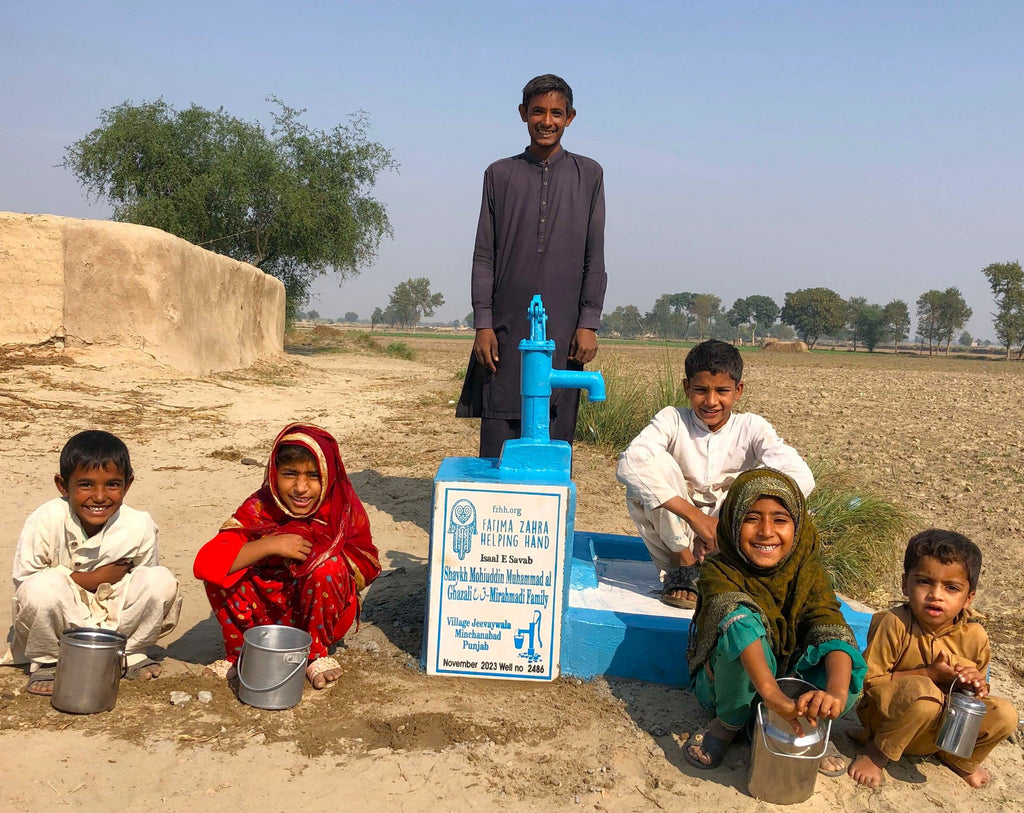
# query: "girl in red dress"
{"type": "Point", "coordinates": [297, 552]}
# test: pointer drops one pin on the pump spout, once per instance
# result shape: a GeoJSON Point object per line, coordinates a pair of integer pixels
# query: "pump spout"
{"type": "Point", "coordinates": [592, 382]}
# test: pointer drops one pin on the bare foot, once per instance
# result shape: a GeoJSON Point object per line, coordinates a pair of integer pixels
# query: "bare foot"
{"type": "Point", "coordinates": [833, 763]}
{"type": "Point", "coordinates": [866, 769]}
{"type": "Point", "coordinates": [323, 671]}
{"type": "Point", "coordinates": [977, 778]}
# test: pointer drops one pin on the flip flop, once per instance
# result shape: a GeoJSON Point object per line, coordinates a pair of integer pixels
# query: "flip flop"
{"type": "Point", "coordinates": [832, 752]}
{"type": "Point", "coordinates": [712, 746]}
{"type": "Point", "coordinates": [680, 579]}
{"type": "Point", "coordinates": [44, 674]}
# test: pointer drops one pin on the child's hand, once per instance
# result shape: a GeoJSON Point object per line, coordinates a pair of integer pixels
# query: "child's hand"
{"type": "Point", "coordinates": [706, 529]}
{"type": "Point", "coordinates": [820, 704]}
{"type": "Point", "coordinates": [785, 707]}
{"type": "Point", "coordinates": [941, 671]}
{"type": "Point", "coordinates": [291, 546]}
{"type": "Point", "coordinates": [972, 678]}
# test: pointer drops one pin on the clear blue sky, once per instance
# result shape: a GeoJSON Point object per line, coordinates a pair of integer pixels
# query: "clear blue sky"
{"type": "Point", "coordinates": [748, 147]}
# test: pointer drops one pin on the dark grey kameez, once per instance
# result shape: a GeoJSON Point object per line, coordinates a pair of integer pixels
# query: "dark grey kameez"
{"type": "Point", "coordinates": [541, 231]}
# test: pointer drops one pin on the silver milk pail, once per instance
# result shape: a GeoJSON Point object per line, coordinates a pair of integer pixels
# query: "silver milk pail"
{"type": "Point", "coordinates": [272, 666]}
{"type": "Point", "coordinates": [960, 724]}
{"type": "Point", "coordinates": [784, 764]}
{"type": "Point", "coordinates": [90, 665]}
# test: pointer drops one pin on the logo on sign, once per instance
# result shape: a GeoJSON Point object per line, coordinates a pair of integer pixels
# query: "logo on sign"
{"type": "Point", "coordinates": [462, 526]}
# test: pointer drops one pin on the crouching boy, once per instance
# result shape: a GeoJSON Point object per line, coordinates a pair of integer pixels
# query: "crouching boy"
{"type": "Point", "coordinates": [917, 651]}
{"type": "Point", "coordinates": [85, 559]}
{"type": "Point", "coordinates": [678, 470]}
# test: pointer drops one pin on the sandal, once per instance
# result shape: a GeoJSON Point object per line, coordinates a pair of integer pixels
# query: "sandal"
{"type": "Point", "coordinates": [712, 745]}
{"type": "Point", "coordinates": [831, 752]}
{"type": "Point", "coordinates": [143, 670]}
{"type": "Point", "coordinates": [681, 579]}
{"type": "Point", "coordinates": [44, 674]}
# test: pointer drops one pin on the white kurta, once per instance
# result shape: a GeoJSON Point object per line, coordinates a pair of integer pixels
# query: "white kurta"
{"type": "Point", "coordinates": [143, 605]}
{"type": "Point", "coordinates": [677, 455]}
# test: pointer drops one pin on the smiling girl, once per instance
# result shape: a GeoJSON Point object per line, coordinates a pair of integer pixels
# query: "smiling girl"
{"type": "Point", "coordinates": [766, 610]}
{"type": "Point", "coordinates": [297, 552]}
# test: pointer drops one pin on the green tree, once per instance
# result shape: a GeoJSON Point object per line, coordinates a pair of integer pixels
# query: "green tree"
{"type": "Point", "coordinates": [1007, 283]}
{"type": "Point", "coordinates": [351, 316]}
{"type": "Point", "coordinates": [765, 311]}
{"type": "Point", "coordinates": [854, 306]}
{"type": "Point", "coordinates": [664, 320]}
{"type": "Point", "coordinates": [294, 202]}
{"type": "Point", "coordinates": [871, 326]}
{"type": "Point", "coordinates": [965, 340]}
{"type": "Point", "coordinates": [741, 314]}
{"type": "Point", "coordinates": [814, 312]}
{"type": "Point", "coordinates": [376, 318]}
{"type": "Point", "coordinates": [412, 300]}
{"type": "Point", "coordinates": [468, 321]}
{"type": "Point", "coordinates": [704, 307]}
{"type": "Point", "coordinates": [940, 314]}
{"type": "Point", "coordinates": [782, 332]}
{"type": "Point", "coordinates": [624, 320]}
{"type": "Point", "coordinates": [313, 316]}
{"type": "Point", "coordinates": [897, 322]}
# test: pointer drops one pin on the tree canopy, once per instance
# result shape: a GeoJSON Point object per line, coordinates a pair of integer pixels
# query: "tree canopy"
{"type": "Point", "coordinates": [814, 312]}
{"type": "Point", "coordinates": [1007, 283]}
{"type": "Point", "coordinates": [294, 202]}
{"type": "Point", "coordinates": [411, 300]}
{"type": "Point", "coordinates": [939, 315]}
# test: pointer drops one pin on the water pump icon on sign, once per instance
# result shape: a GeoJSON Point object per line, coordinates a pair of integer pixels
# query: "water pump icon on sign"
{"type": "Point", "coordinates": [531, 637]}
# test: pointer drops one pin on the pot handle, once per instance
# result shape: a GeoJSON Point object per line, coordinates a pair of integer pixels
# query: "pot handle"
{"type": "Point", "coordinates": [277, 686]}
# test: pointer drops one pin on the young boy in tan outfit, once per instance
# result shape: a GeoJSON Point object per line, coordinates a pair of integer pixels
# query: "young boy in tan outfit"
{"type": "Point", "coordinates": [917, 651]}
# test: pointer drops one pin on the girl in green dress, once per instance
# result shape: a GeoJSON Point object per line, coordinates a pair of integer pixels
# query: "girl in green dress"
{"type": "Point", "coordinates": [766, 609]}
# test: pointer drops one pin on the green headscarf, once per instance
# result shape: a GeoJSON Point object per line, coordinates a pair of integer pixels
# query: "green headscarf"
{"type": "Point", "coordinates": [794, 598]}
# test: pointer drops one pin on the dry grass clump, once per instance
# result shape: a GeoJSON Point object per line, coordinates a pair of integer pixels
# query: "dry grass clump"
{"type": "Point", "coordinates": [326, 339]}
{"type": "Point", "coordinates": [632, 400]}
{"type": "Point", "coordinates": [862, 534]}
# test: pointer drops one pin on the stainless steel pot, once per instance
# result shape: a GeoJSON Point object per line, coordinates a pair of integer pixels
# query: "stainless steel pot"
{"type": "Point", "coordinates": [90, 665]}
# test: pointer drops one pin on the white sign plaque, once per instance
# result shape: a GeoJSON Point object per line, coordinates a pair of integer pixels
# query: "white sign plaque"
{"type": "Point", "coordinates": [497, 555]}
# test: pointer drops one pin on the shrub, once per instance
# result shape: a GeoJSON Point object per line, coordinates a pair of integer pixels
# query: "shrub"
{"type": "Point", "coordinates": [399, 350]}
{"type": "Point", "coordinates": [861, 533]}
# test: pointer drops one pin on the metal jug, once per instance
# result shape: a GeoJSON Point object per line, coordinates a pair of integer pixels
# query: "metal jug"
{"type": "Point", "coordinates": [783, 764]}
{"type": "Point", "coordinates": [90, 665]}
{"type": "Point", "coordinates": [272, 665]}
{"type": "Point", "coordinates": [960, 722]}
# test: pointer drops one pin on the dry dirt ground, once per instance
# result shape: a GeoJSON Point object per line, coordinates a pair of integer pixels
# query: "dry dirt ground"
{"type": "Point", "coordinates": [944, 438]}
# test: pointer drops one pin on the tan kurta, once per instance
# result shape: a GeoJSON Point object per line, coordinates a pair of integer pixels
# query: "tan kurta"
{"type": "Point", "coordinates": [903, 714]}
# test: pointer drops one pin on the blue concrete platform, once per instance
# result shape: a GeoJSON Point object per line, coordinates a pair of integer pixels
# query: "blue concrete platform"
{"type": "Point", "coordinates": [615, 623]}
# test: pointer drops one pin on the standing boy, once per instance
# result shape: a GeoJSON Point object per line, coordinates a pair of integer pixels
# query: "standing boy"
{"type": "Point", "coordinates": [541, 231]}
{"type": "Point", "coordinates": [678, 470]}
{"type": "Point", "coordinates": [84, 559]}
{"type": "Point", "coordinates": [917, 651]}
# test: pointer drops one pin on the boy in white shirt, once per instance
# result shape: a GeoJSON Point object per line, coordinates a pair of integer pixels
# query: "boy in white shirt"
{"type": "Point", "coordinates": [678, 469]}
{"type": "Point", "coordinates": [85, 559]}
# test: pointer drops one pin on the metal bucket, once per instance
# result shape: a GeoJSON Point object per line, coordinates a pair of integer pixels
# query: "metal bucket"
{"type": "Point", "coordinates": [90, 665]}
{"type": "Point", "coordinates": [783, 764]}
{"type": "Point", "coordinates": [271, 666]}
{"type": "Point", "coordinates": [960, 723]}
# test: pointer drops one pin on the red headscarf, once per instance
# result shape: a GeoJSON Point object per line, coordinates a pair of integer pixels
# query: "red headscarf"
{"type": "Point", "coordinates": [337, 526]}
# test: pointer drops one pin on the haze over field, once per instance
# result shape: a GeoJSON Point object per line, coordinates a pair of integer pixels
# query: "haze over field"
{"type": "Point", "coordinates": [748, 147]}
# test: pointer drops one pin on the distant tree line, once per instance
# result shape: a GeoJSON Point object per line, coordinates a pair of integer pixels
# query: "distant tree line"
{"type": "Point", "coordinates": [817, 313]}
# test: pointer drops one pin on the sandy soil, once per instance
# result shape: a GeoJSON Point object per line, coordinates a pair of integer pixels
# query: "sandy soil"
{"type": "Point", "coordinates": [945, 438]}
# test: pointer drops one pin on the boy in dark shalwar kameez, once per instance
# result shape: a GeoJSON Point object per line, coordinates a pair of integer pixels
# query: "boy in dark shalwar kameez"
{"type": "Point", "coordinates": [541, 231]}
